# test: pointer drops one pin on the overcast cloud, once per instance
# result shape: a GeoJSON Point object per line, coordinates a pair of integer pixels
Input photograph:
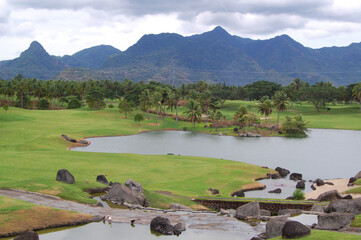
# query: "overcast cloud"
{"type": "Point", "coordinates": [67, 26]}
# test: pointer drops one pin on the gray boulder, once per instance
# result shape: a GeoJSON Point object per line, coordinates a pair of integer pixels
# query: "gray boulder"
{"type": "Point", "coordinates": [274, 227]}
{"type": "Point", "coordinates": [345, 206]}
{"type": "Point", "coordinates": [289, 211]}
{"type": "Point", "coordinates": [29, 235]}
{"type": "Point", "coordinates": [122, 194]}
{"type": "Point", "coordinates": [283, 172]}
{"type": "Point", "coordinates": [277, 190]}
{"type": "Point", "coordinates": [352, 180]}
{"type": "Point", "coordinates": [68, 138]}
{"type": "Point", "coordinates": [296, 176]}
{"type": "Point", "coordinates": [176, 206]}
{"type": "Point", "coordinates": [317, 208]}
{"type": "Point", "coordinates": [300, 185]}
{"type": "Point", "coordinates": [162, 225]}
{"type": "Point", "coordinates": [64, 175]}
{"type": "Point", "coordinates": [294, 229]}
{"type": "Point", "coordinates": [265, 213]}
{"type": "Point", "coordinates": [134, 186]}
{"type": "Point", "coordinates": [329, 196]}
{"type": "Point", "coordinates": [334, 221]}
{"type": "Point", "coordinates": [319, 182]}
{"type": "Point", "coordinates": [179, 228]}
{"type": "Point", "coordinates": [251, 209]}
{"type": "Point", "coordinates": [102, 179]}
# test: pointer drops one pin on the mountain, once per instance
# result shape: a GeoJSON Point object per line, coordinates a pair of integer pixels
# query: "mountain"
{"type": "Point", "coordinates": [214, 56]}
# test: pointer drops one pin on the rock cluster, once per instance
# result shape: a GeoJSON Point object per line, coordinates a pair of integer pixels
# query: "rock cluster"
{"type": "Point", "coordinates": [162, 225]}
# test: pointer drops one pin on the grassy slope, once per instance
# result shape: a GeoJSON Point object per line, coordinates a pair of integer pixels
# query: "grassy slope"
{"type": "Point", "coordinates": [326, 235]}
{"type": "Point", "coordinates": [32, 152]}
{"type": "Point", "coordinates": [17, 216]}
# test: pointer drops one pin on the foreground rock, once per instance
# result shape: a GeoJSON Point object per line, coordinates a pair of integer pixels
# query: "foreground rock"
{"type": "Point", "coordinates": [64, 175]}
{"type": "Point", "coordinates": [294, 229]}
{"type": "Point", "coordinates": [162, 225]}
{"type": "Point", "coordinates": [133, 185]}
{"type": "Point", "coordinates": [177, 206]}
{"type": "Point", "coordinates": [345, 206]}
{"type": "Point", "coordinates": [329, 196]}
{"type": "Point", "coordinates": [249, 210]}
{"type": "Point", "coordinates": [334, 221]}
{"type": "Point", "coordinates": [274, 227]}
{"type": "Point", "coordinates": [121, 194]}
{"type": "Point", "coordinates": [102, 179]}
{"type": "Point", "coordinates": [30, 235]}
{"type": "Point", "coordinates": [296, 176]}
{"type": "Point", "coordinates": [283, 172]}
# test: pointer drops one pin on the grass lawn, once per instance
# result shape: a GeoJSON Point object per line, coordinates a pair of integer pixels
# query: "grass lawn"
{"type": "Point", "coordinates": [355, 190]}
{"type": "Point", "coordinates": [326, 235]}
{"type": "Point", "coordinates": [17, 216]}
{"type": "Point", "coordinates": [356, 222]}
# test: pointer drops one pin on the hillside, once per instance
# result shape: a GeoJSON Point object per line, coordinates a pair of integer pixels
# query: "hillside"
{"type": "Point", "coordinates": [214, 56]}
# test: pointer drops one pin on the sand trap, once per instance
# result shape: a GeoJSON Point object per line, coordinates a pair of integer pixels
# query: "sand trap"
{"type": "Point", "coordinates": [339, 184]}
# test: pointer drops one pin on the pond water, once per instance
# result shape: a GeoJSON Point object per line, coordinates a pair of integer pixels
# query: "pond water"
{"type": "Point", "coordinates": [323, 154]}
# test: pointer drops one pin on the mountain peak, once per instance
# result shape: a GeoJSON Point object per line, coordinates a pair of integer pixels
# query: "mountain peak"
{"type": "Point", "coordinates": [34, 48]}
{"type": "Point", "coordinates": [220, 31]}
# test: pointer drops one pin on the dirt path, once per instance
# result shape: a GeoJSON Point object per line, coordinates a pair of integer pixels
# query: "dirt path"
{"type": "Point", "coordinates": [196, 220]}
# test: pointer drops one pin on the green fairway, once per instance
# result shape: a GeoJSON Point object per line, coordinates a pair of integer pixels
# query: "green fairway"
{"type": "Point", "coordinates": [32, 151]}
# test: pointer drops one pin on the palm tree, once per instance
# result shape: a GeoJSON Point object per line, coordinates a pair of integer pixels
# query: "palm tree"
{"type": "Point", "coordinates": [21, 88]}
{"type": "Point", "coordinates": [194, 111]}
{"type": "Point", "coordinates": [238, 117]}
{"type": "Point", "coordinates": [206, 99]}
{"type": "Point", "coordinates": [174, 97]}
{"type": "Point", "coordinates": [156, 101]}
{"type": "Point", "coordinates": [280, 102]}
{"type": "Point", "coordinates": [265, 108]}
{"type": "Point", "coordinates": [145, 100]}
{"type": "Point", "coordinates": [356, 92]}
{"type": "Point", "coordinates": [138, 118]}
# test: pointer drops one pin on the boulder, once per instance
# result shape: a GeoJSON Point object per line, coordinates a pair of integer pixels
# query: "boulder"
{"type": "Point", "coordinates": [296, 176]}
{"type": "Point", "coordinates": [352, 180]}
{"type": "Point", "coordinates": [329, 183]}
{"type": "Point", "coordinates": [239, 193]}
{"type": "Point", "coordinates": [162, 225]}
{"type": "Point", "coordinates": [290, 198]}
{"type": "Point", "coordinates": [223, 212]}
{"type": "Point", "coordinates": [179, 228]}
{"type": "Point", "coordinates": [29, 235]}
{"type": "Point", "coordinates": [283, 172]}
{"type": "Point", "coordinates": [329, 196]}
{"type": "Point", "coordinates": [214, 191]}
{"type": "Point", "coordinates": [84, 142]}
{"type": "Point", "coordinates": [265, 213]}
{"type": "Point", "coordinates": [334, 221]}
{"type": "Point", "coordinates": [122, 194]}
{"type": "Point", "coordinates": [274, 175]}
{"type": "Point", "coordinates": [345, 206]}
{"type": "Point", "coordinates": [68, 138]}
{"type": "Point", "coordinates": [177, 206]}
{"type": "Point", "coordinates": [133, 185]}
{"type": "Point", "coordinates": [358, 175]}
{"type": "Point", "coordinates": [313, 188]}
{"type": "Point", "coordinates": [277, 190]}
{"type": "Point", "coordinates": [64, 175]}
{"type": "Point", "coordinates": [97, 218]}
{"type": "Point", "coordinates": [274, 227]}
{"type": "Point", "coordinates": [319, 182]}
{"type": "Point", "coordinates": [294, 229]}
{"type": "Point", "coordinates": [349, 197]}
{"type": "Point", "coordinates": [350, 184]}
{"type": "Point", "coordinates": [316, 208]}
{"type": "Point", "coordinates": [300, 185]}
{"type": "Point", "coordinates": [102, 179]}
{"type": "Point", "coordinates": [249, 210]}
{"type": "Point", "coordinates": [289, 211]}
{"type": "Point", "coordinates": [256, 238]}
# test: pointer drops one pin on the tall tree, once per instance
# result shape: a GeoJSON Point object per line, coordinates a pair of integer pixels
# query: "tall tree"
{"type": "Point", "coordinates": [156, 100]}
{"type": "Point", "coordinates": [95, 97]}
{"type": "Point", "coordinates": [125, 107]}
{"type": "Point", "coordinates": [356, 93]}
{"type": "Point", "coordinates": [194, 111]}
{"type": "Point", "coordinates": [265, 108]}
{"type": "Point", "coordinates": [146, 101]}
{"type": "Point", "coordinates": [280, 102]}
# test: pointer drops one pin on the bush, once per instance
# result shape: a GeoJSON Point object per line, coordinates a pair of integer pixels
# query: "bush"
{"type": "Point", "coordinates": [43, 104]}
{"type": "Point", "coordinates": [298, 195]}
{"type": "Point", "coordinates": [110, 106]}
{"type": "Point", "coordinates": [295, 125]}
{"type": "Point", "coordinates": [74, 103]}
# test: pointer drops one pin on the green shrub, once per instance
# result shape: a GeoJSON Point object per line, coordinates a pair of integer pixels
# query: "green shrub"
{"type": "Point", "coordinates": [110, 106]}
{"type": "Point", "coordinates": [295, 125]}
{"type": "Point", "coordinates": [26, 102]}
{"type": "Point", "coordinates": [298, 195]}
{"type": "Point", "coordinates": [43, 104]}
{"type": "Point", "coordinates": [74, 103]}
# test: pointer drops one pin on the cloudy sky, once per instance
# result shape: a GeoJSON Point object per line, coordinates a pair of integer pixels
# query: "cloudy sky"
{"type": "Point", "coordinates": [67, 26]}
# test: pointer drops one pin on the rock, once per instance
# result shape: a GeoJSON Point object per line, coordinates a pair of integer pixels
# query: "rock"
{"type": "Point", "coordinates": [68, 138]}
{"type": "Point", "coordinates": [329, 196]}
{"type": "Point", "coordinates": [358, 175]}
{"type": "Point", "coordinates": [121, 194]}
{"type": "Point", "coordinates": [294, 229]}
{"type": "Point", "coordinates": [29, 235]}
{"type": "Point", "coordinates": [223, 212]}
{"type": "Point", "coordinates": [99, 204]}
{"type": "Point", "coordinates": [274, 227]}
{"type": "Point", "coordinates": [256, 238]}
{"type": "Point", "coordinates": [345, 206]}
{"type": "Point", "coordinates": [134, 186]}
{"type": "Point", "coordinates": [334, 221]}
{"type": "Point", "coordinates": [102, 179]}
{"type": "Point", "coordinates": [329, 183]}
{"type": "Point", "coordinates": [313, 188]}
{"type": "Point", "coordinates": [289, 211]}
{"type": "Point", "coordinates": [184, 128]}
{"type": "Point", "coordinates": [319, 182]}
{"type": "Point", "coordinates": [177, 206]}
{"type": "Point", "coordinates": [265, 212]}
{"type": "Point", "coordinates": [239, 193]}
{"type": "Point", "coordinates": [179, 228]}
{"type": "Point", "coordinates": [350, 184]}
{"type": "Point", "coordinates": [290, 198]}
{"type": "Point", "coordinates": [162, 225]}
{"type": "Point", "coordinates": [232, 212]}
{"type": "Point", "coordinates": [349, 197]}
{"type": "Point", "coordinates": [300, 185]}
{"type": "Point", "coordinates": [251, 209]}
{"type": "Point", "coordinates": [170, 154]}
{"type": "Point", "coordinates": [316, 208]}
{"type": "Point", "coordinates": [352, 179]}
{"type": "Point", "coordinates": [283, 172]}
{"type": "Point", "coordinates": [214, 191]}
{"type": "Point", "coordinates": [97, 218]}
{"type": "Point", "coordinates": [84, 142]}
{"type": "Point", "coordinates": [296, 176]}
{"type": "Point", "coordinates": [277, 190]}
{"type": "Point", "coordinates": [64, 175]}
{"type": "Point", "coordinates": [313, 225]}
{"type": "Point", "coordinates": [274, 175]}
